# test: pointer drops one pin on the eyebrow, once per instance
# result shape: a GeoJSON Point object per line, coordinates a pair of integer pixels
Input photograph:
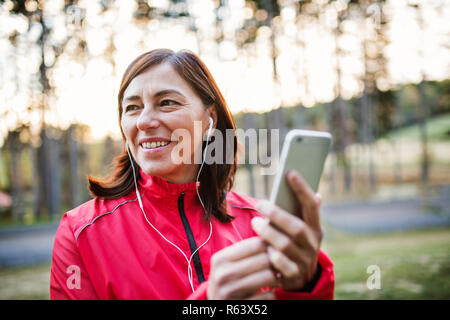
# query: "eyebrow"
{"type": "Point", "coordinates": [157, 95]}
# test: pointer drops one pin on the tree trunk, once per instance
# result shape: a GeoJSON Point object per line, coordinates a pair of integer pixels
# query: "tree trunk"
{"type": "Point", "coordinates": [299, 117]}
{"type": "Point", "coordinates": [36, 181]}
{"type": "Point", "coordinates": [331, 128]}
{"type": "Point", "coordinates": [372, 137]}
{"type": "Point", "coordinates": [396, 144]}
{"type": "Point", "coordinates": [73, 167]}
{"type": "Point", "coordinates": [342, 141]}
{"type": "Point", "coordinates": [52, 182]}
{"type": "Point", "coordinates": [367, 135]}
{"type": "Point", "coordinates": [423, 114]}
{"type": "Point", "coordinates": [46, 170]}
{"type": "Point", "coordinates": [269, 152]}
{"type": "Point", "coordinates": [55, 176]}
{"type": "Point", "coordinates": [340, 116]}
{"type": "Point", "coordinates": [17, 190]}
{"type": "Point", "coordinates": [249, 122]}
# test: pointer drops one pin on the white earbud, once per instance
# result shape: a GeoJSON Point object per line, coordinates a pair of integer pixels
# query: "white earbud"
{"type": "Point", "coordinates": [211, 122]}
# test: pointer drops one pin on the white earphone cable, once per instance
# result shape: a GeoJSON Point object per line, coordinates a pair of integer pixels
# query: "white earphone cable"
{"type": "Point", "coordinates": [189, 271]}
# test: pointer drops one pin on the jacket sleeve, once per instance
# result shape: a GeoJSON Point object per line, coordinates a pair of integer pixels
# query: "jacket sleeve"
{"type": "Point", "coordinates": [323, 289]}
{"type": "Point", "coordinates": [68, 277]}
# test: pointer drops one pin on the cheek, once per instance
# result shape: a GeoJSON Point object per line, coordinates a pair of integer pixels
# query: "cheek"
{"type": "Point", "coordinates": [127, 128]}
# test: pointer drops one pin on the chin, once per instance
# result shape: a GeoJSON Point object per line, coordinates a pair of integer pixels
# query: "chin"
{"type": "Point", "coordinates": [156, 170]}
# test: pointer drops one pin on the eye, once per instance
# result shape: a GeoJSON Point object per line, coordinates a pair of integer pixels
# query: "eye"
{"type": "Point", "coordinates": [168, 102]}
{"type": "Point", "coordinates": [131, 107]}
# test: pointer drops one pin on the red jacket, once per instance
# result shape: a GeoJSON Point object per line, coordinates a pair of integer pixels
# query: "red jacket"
{"type": "Point", "coordinates": [105, 249]}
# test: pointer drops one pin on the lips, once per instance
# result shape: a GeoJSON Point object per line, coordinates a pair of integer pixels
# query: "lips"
{"type": "Point", "coordinates": [154, 142]}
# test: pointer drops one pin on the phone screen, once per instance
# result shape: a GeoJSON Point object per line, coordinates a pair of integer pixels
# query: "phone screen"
{"type": "Point", "coordinates": [306, 152]}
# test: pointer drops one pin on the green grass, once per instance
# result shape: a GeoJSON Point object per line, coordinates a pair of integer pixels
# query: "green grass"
{"type": "Point", "coordinates": [413, 264]}
{"type": "Point", "coordinates": [25, 283]}
{"type": "Point", "coordinates": [437, 130]}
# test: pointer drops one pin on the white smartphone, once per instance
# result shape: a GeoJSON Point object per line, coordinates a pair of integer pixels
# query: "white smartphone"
{"type": "Point", "coordinates": [306, 152]}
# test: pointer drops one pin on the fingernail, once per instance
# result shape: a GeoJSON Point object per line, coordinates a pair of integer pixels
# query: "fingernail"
{"type": "Point", "coordinates": [319, 198]}
{"type": "Point", "coordinates": [289, 174]}
{"type": "Point", "coordinates": [270, 251]}
{"type": "Point", "coordinates": [274, 255]}
{"type": "Point", "coordinates": [258, 223]}
{"type": "Point", "coordinates": [293, 176]}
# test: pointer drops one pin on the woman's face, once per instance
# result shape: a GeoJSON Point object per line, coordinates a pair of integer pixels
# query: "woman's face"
{"type": "Point", "coordinates": [155, 104]}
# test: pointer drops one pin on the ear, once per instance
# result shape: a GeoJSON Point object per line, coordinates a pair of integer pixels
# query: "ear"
{"type": "Point", "coordinates": [213, 114]}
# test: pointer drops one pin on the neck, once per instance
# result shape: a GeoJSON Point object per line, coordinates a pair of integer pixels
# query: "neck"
{"type": "Point", "coordinates": [186, 175]}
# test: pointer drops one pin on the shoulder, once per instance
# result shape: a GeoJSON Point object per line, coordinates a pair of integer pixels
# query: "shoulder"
{"type": "Point", "coordinates": [243, 209]}
{"type": "Point", "coordinates": [87, 213]}
{"type": "Point", "coordinates": [241, 202]}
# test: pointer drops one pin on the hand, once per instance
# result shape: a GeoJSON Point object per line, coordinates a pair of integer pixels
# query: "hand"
{"type": "Point", "coordinates": [240, 270]}
{"type": "Point", "coordinates": [294, 238]}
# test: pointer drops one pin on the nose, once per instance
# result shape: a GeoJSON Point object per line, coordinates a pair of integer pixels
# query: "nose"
{"type": "Point", "coordinates": [148, 119]}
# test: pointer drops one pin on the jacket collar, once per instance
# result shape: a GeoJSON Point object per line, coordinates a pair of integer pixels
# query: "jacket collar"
{"type": "Point", "coordinates": [161, 187]}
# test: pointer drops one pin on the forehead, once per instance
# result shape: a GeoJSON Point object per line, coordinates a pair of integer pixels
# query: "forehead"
{"type": "Point", "coordinates": [156, 78]}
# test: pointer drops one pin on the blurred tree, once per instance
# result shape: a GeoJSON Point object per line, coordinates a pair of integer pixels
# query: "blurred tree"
{"type": "Point", "coordinates": [15, 147]}
{"type": "Point", "coordinates": [368, 16]}
{"type": "Point", "coordinates": [366, 13]}
{"type": "Point", "coordinates": [70, 166]}
{"type": "Point", "coordinates": [175, 11]}
{"type": "Point", "coordinates": [249, 122]}
{"type": "Point", "coordinates": [51, 44]}
{"type": "Point", "coordinates": [265, 13]}
{"type": "Point", "coordinates": [441, 92]}
{"type": "Point", "coordinates": [339, 112]}
{"type": "Point", "coordinates": [308, 12]}
{"type": "Point", "coordinates": [374, 41]}
{"type": "Point", "coordinates": [423, 107]}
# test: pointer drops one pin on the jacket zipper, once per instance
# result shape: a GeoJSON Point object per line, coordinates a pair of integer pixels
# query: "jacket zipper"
{"type": "Point", "coordinates": [190, 236]}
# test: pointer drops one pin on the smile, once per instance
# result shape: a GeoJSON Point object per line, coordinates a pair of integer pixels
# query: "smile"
{"type": "Point", "coordinates": [154, 144]}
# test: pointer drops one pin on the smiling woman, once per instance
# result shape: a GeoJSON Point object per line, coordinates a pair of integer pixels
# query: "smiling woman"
{"type": "Point", "coordinates": [163, 229]}
{"type": "Point", "coordinates": [152, 105]}
{"type": "Point", "coordinates": [157, 95]}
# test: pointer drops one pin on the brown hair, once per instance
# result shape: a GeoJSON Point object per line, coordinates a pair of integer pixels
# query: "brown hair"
{"type": "Point", "coordinates": [216, 178]}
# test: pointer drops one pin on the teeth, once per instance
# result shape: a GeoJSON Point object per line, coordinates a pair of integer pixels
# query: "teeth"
{"type": "Point", "coordinates": [153, 144]}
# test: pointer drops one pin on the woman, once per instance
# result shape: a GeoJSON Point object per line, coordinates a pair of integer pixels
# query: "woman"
{"type": "Point", "coordinates": [159, 228]}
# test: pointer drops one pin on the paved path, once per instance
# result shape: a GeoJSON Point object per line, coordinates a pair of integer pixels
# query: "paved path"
{"type": "Point", "coordinates": [26, 245]}
{"type": "Point", "coordinates": [404, 214]}
{"type": "Point", "coordinates": [30, 245]}
{"type": "Point", "coordinates": [390, 216]}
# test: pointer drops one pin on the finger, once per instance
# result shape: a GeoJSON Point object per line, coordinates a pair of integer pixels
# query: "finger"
{"type": "Point", "coordinates": [293, 275]}
{"type": "Point", "coordinates": [242, 268]}
{"type": "Point", "coordinates": [248, 285]}
{"type": "Point", "coordinates": [306, 197]}
{"type": "Point", "coordinates": [240, 250]}
{"type": "Point", "coordinates": [267, 295]}
{"type": "Point", "coordinates": [319, 199]}
{"type": "Point", "coordinates": [283, 220]}
{"type": "Point", "coordinates": [276, 238]}
{"type": "Point", "coordinates": [288, 268]}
